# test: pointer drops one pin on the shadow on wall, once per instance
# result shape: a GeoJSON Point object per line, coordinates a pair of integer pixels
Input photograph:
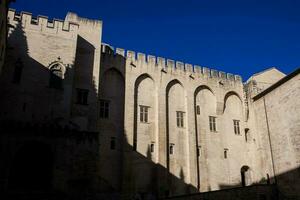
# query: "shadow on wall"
{"type": "Point", "coordinates": [43, 153]}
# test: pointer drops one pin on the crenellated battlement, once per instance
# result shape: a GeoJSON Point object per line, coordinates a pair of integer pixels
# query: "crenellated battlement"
{"type": "Point", "coordinates": [168, 64]}
{"type": "Point", "coordinates": [41, 23]}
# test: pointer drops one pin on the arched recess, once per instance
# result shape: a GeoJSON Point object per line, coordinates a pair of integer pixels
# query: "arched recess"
{"type": "Point", "coordinates": [145, 133]}
{"type": "Point", "coordinates": [112, 98]}
{"type": "Point", "coordinates": [204, 106]}
{"type": "Point", "coordinates": [245, 176]}
{"type": "Point", "coordinates": [32, 167]}
{"type": "Point", "coordinates": [230, 94]}
{"type": "Point", "coordinates": [176, 137]}
{"type": "Point", "coordinates": [113, 90]}
{"type": "Point", "coordinates": [144, 95]}
{"type": "Point", "coordinates": [56, 76]}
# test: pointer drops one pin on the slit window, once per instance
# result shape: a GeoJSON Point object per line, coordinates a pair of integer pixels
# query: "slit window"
{"type": "Point", "coordinates": [247, 135]}
{"type": "Point", "coordinates": [180, 119]}
{"type": "Point", "coordinates": [104, 108]}
{"type": "Point", "coordinates": [144, 113]}
{"type": "Point", "coordinates": [113, 143]}
{"type": "Point", "coordinates": [212, 124]}
{"type": "Point", "coordinates": [171, 150]}
{"type": "Point", "coordinates": [152, 147]}
{"type": "Point", "coordinates": [198, 110]}
{"type": "Point", "coordinates": [236, 125]}
{"type": "Point", "coordinates": [225, 153]}
{"type": "Point", "coordinates": [199, 151]}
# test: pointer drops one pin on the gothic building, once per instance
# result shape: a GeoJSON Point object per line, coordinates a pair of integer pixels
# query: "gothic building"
{"type": "Point", "coordinates": [80, 118]}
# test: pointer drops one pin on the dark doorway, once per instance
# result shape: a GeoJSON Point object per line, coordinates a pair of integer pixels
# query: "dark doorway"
{"type": "Point", "coordinates": [245, 175]}
{"type": "Point", "coordinates": [32, 167]}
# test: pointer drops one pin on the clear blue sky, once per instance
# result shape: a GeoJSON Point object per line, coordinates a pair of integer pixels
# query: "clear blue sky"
{"type": "Point", "coordinates": [241, 37]}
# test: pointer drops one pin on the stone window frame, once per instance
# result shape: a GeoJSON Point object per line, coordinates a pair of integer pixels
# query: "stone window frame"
{"type": "Point", "coordinates": [236, 127]}
{"type": "Point", "coordinates": [180, 119]}
{"type": "Point", "coordinates": [144, 113]}
{"type": "Point", "coordinates": [212, 123]}
{"type": "Point", "coordinates": [104, 108]}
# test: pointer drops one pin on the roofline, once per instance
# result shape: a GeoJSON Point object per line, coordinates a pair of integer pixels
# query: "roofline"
{"type": "Point", "coordinates": [277, 84]}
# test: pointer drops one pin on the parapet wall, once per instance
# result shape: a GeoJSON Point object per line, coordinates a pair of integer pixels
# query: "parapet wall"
{"type": "Point", "coordinates": [41, 23]}
{"type": "Point", "coordinates": [168, 63]}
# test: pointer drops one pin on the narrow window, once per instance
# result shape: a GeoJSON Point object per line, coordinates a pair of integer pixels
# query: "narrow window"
{"type": "Point", "coordinates": [152, 147]}
{"type": "Point", "coordinates": [212, 124]}
{"type": "Point", "coordinates": [104, 108]}
{"type": "Point", "coordinates": [225, 153]}
{"type": "Point", "coordinates": [171, 151]}
{"type": "Point", "coordinates": [198, 110]}
{"type": "Point", "coordinates": [18, 71]}
{"type": "Point", "coordinates": [236, 124]}
{"type": "Point", "coordinates": [56, 77]}
{"type": "Point", "coordinates": [82, 96]}
{"type": "Point", "coordinates": [199, 151]}
{"type": "Point", "coordinates": [144, 114]}
{"type": "Point", "coordinates": [180, 119]}
{"type": "Point", "coordinates": [113, 143]}
{"type": "Point", "coordinates": [247, 134]}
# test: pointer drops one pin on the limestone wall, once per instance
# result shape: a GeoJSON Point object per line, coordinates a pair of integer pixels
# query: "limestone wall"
{"type": "Point", "coordinates": [167, 86]}
{"type": "Point", "coordinates": [278, 126]}
{"type": "Point", "coordinates": [36, 45]}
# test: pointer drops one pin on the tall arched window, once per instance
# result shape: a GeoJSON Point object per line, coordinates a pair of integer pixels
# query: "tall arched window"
{"type": "Point", "coordinates": [56, 76]}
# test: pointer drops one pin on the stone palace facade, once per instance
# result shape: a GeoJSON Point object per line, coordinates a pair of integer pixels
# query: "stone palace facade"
{"type": "Point", "coordinates": [124, 124]}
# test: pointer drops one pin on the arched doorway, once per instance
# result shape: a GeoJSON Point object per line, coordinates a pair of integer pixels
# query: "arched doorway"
{"type": "Point", "coordinates": [245, 176]}
{"type": "Point", "coordinates": [32, 167]}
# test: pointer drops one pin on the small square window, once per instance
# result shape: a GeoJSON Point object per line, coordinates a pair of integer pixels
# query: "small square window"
{"type": "Point", "coordinates": [180, 119]}
{"type": "Point", "coordinates": [212, 124]}
{"type": "Point", "coordinates": [82, 96]}
{"type": "Point", "coordinates": [104, 108]}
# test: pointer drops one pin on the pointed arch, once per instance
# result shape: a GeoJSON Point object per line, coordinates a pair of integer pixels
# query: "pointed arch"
{"type": "Point", "coordinates": [114, 70]}
{"type": "Point", "coordinates": [227, 95]}
{"type": "Point", "coordinates": [171, 84]}
{"type": "Point", "coordinates": [137, 83]}
{"type": "Point", "coordinates": [57, 73]}
{"type": "Point", "coordinates": [196, 112]}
